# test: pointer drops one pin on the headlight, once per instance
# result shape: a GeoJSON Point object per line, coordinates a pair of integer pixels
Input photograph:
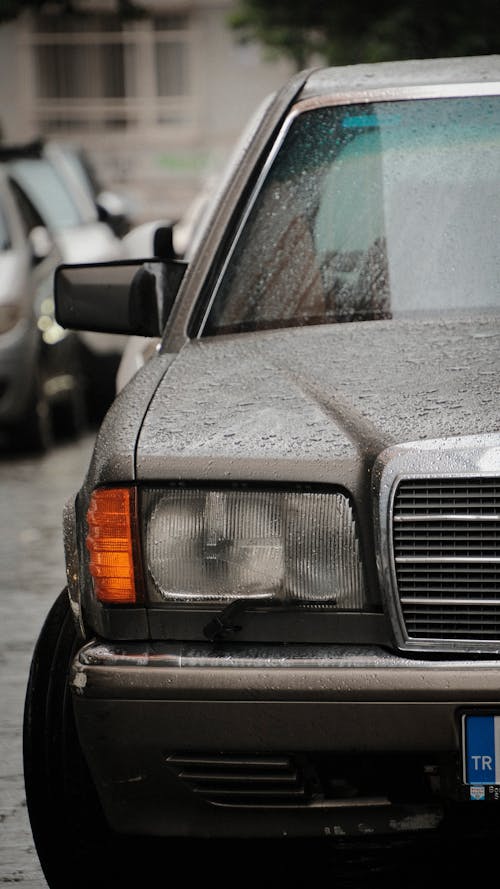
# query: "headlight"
{"type": "Point", "coordinates": [9, 316]}
{"type": "Point", "coordinates": [220, 545]}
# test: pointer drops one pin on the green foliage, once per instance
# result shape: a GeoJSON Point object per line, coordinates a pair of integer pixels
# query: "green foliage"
{"type": "Point", "coordinates": [339, 32]}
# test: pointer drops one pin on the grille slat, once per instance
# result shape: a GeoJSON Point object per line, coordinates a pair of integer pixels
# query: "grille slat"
{"type": "Point", "coordinates": [456, 516]}
{"type": "Point", "coordinates": [446, 556]}
{"type": "Point", "coordinates": [456, 560]}
{"type": "Point", "coordinates": [431, 600]}
{"type": "Point", "coordinates": [238, 777]}
{"type": "Point", "coordinates": [236, 794]}
{"type": "Point", "coordinates": [237, 780]}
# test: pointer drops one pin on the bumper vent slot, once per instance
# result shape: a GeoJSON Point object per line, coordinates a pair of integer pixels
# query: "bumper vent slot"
{"type": "Point", "coordinates": [446, 551]}
{"type": "Point", "coordinates": [241, 780]}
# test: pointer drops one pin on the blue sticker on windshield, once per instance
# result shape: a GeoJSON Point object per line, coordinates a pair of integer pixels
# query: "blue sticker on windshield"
{"type": "Point", "coordinates": [362, 121]}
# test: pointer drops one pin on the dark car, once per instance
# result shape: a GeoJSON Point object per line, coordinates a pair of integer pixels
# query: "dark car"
{"type": "Point", "coordinates": [41, 383]}
{"type": "Point", "coordinates": [282, 613]}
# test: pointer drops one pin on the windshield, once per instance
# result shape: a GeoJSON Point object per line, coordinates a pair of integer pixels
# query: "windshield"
{"type": "Point", "coordinates": [47, 192]}
{"type": "Point", "coordinates": [368, 212]}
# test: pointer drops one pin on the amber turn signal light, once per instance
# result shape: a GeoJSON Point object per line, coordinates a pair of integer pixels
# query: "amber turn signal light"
{"type": "Point", "coordinates": [112, 545]}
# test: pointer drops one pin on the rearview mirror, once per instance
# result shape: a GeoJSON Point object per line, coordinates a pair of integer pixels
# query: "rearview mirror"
{"type": "Point", "coordinates": [127, 297]}
{"type": "Point", "coordinates": [41, 242]}
{"type": "Point", "coordinates": [163, 242]}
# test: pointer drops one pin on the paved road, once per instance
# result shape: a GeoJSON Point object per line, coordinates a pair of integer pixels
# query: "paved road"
{"type": "Point", "coordinates": [32, 496]}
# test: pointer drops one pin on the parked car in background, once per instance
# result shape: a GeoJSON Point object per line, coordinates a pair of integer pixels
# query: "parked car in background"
{"type": "Point", "coordinates": [282, 613]}
{"type": "Point", "coordinates": [41, 382]}
{"type": "Point", "coordinates": [76, 167]}
{"type": "Point", "coordinates": [71, 216]}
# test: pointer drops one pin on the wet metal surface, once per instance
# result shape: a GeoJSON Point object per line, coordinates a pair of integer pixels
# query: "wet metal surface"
{"type": "Point", "coordinates": [322, 398]}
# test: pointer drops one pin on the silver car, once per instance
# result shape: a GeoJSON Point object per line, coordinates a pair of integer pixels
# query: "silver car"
{"type": "Point", "coordinates": [41, 383]}
{"type": "Point", "coordinates": [72, 217]}
{"type": "Point", "coordinates": [282, 613]}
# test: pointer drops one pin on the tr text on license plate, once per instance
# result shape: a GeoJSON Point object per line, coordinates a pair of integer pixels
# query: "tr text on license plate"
{"type": "Point", "coordinates": [481, 749]}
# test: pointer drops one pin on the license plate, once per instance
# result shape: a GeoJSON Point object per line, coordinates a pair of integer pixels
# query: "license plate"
{"type": "Point", "coordinates": [481, 749]}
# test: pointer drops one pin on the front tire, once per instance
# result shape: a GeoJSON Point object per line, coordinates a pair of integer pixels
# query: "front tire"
{"type": "Point", "coordinates": [75, 845]}
{"type": "Point", "coordinates": [72, 839]}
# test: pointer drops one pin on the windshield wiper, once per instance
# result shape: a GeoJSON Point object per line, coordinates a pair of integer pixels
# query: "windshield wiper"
{"type": "Point", "coordinates": [222, 626]}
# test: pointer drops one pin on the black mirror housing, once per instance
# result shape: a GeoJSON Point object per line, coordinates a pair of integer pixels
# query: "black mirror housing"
{"type": "Point", "coordinates": [131, 297]}
{"type": "Point", "coordinates": [163, 242]}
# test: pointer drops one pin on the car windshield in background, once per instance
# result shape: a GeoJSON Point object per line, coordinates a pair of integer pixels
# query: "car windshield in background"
{"type": "Point", "coordinates": [369, 212]}
{"type": "Point", "coordinates": [47, 192]}
{"type": "Point", "coordinates": [4, 232]}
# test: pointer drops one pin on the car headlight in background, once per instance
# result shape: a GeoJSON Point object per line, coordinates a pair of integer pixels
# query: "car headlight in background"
{"type": "Point", "coordinates": [201, 545]}
{"type": "Point", "coordinates": [51, 331]}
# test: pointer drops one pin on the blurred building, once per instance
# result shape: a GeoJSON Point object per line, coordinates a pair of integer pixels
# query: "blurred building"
{"type": "Point", "coordinates": [157, 102]}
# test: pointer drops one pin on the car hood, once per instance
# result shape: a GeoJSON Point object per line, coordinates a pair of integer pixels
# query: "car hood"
{"type": "Point", "coordinates": [319, 403]}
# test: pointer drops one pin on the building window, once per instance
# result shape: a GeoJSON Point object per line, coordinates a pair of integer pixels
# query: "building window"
{"type": "Point", "coordinates": [95, 73]}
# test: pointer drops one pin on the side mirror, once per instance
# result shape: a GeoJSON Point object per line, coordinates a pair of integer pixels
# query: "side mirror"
{"type": "Point", "coordinates": [112, 209]}
{"type": "Point", "coordinates": [153, 238]}
{"type": "Point", "coordinates": [127, 297]}
{"type": "Point", "coordinates": [163, 242]}
{"type": "Point", "coordinates": [41, 242]}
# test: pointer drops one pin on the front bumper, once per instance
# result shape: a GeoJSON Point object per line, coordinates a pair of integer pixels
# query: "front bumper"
{"type": "Point", "coordinates": [168, 728]}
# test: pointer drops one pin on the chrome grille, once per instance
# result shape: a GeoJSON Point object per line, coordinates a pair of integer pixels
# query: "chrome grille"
{"type": "Point", "coordinates": [446, 549]}
{"type": "Point", "coordinates": [241, 780]}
